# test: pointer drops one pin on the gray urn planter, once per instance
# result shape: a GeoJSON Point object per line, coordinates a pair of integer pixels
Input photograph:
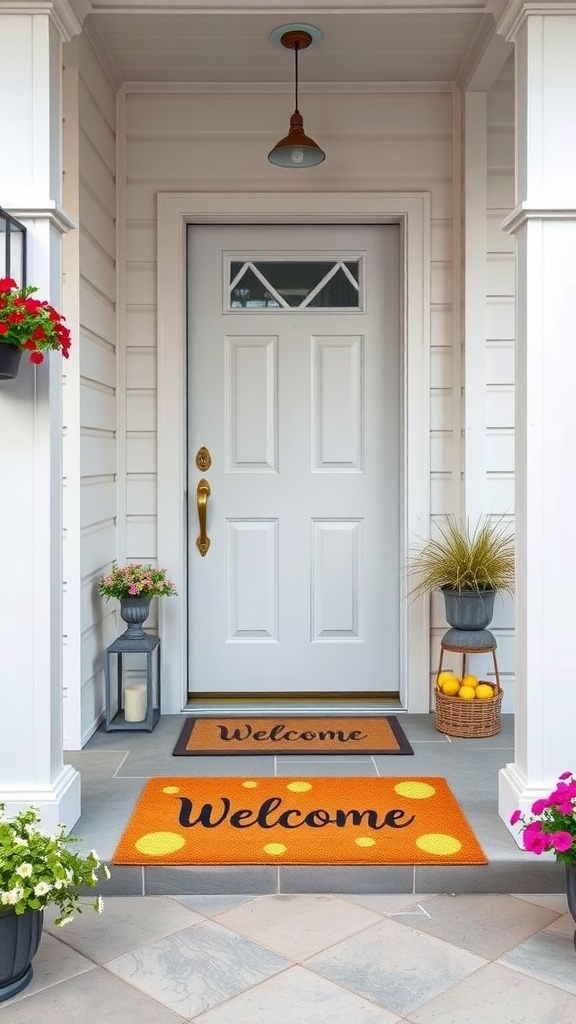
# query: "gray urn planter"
{"type": "Point", "coordinates": [135, 611]}
{"type": "Point", "coordinates": [468, 609]}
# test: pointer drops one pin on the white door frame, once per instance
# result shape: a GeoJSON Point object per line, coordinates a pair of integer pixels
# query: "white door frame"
{"type": "Point", "coordinates": [175, 211]}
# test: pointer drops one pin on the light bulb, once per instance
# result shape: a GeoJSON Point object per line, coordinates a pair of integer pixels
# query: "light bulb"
{"type": "Point", "coordinates": [297, 156]}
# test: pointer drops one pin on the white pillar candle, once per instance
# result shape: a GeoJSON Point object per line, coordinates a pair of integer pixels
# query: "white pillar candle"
{"type": "Point", "coordinates": [135, 703]}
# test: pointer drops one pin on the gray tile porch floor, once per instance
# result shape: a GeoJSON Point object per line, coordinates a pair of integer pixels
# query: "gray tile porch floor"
{"type": "Point", "coordinates": [114, 767]}
{"type": "Point", "coordinates": [246, 948]}
{"type": "Point", "coordinates": [308, 959]}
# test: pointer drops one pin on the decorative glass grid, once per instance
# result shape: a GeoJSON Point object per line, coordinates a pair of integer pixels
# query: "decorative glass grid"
{"type": "Point", "coordinates": [294, 284]}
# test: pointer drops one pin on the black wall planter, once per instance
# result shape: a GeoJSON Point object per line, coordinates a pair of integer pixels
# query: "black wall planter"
{"type": "Point", "coordinates": [10, 357]}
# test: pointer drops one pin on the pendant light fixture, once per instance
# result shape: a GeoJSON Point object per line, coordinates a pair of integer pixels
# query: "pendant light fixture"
{"type": "Point", "coordinates": [296, 149]}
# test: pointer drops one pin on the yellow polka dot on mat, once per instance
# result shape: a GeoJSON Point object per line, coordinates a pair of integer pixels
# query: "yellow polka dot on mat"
{"type": "Point", "coordinates": [365, 841]}
{"type": "Point", "coordinates": [299, 787]}
{"type": "Point", "coordinates": [414, 790]}
{"type": "Point", "coordinates": [442, 845]}
{"type": "Point", "coordinates": [155, 844]}
{"type": "Point", "coordinates": [171, 789]}
{"type": "Point", "coordinates": [250, 784]}
{"type": "Point", "coordinates": [274, 849]}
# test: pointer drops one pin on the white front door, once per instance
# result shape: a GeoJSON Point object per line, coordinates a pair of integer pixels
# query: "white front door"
{"type": "Point", "coordinates": [294, 390]}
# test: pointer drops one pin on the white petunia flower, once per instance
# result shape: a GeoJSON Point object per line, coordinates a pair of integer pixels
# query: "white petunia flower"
{"type": "Point", "coordinates": [41, 889]}
{"type": "Point", "coordinates": [24, 870]}
{"type": "Point", "coordinates": [15, 895]}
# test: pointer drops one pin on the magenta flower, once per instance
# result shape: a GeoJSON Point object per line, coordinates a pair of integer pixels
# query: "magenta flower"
{"type": "Point", "coordinates": [536, 842]}
{"type": "Point", "coordinates": [553, 825]}
{"type": "Point", "coordinates": [561, 841]}
{"type": "Point", "coordinates": [533, 826]}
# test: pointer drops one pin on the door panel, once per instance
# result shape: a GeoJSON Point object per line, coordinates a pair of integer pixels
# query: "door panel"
{"type": "Point", "coordinates": [299, 406]}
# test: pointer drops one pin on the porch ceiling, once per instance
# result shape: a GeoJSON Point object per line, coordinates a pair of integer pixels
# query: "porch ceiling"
{"type": "Point", "coordinates": [423, 44]}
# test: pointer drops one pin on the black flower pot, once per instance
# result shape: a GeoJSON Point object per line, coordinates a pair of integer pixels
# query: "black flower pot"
{"type": "Point", "coordinates": [571, 891]}
{"type": "Point", "coordinates": [10, 357]}
{"type": "Point", "coordinates": [20, 936]}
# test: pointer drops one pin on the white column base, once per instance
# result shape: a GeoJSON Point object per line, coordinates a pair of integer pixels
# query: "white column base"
{"type": "Point", "coordinates": [58, 804]}
{"type": "Point", "coordinates": [515, 793]}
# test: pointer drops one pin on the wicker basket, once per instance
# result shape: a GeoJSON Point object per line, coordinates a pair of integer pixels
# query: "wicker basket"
{"type": "Point", "coordinates": [469, 718]}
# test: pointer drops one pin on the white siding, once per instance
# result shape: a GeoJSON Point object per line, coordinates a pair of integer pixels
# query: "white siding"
{"type": "Point", "coordinates": [187, 142]}
{"type": "Point", "coordinates": [495, 392]}
{"type": "Point", "coordinates": [91, 406]}
{"type": "Point", "coordinates": [500, 346]}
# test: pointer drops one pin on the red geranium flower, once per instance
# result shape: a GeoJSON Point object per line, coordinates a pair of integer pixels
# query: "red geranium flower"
{"type": "Point", "coordinates": [30, 324]}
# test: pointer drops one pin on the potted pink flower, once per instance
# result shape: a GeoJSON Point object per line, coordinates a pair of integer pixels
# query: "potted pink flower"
{"type": "Point", "coordinates": [552, 827]}
{"type": "Point", "coordinates": [27, 324]}
{"type": "Point", "coordinates": [134, 585]}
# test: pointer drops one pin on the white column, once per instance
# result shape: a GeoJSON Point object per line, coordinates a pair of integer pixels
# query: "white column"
{"type": "Point", "coordinates": [544, 225]}
{"type": "Point", "coordinates": [31, 762]}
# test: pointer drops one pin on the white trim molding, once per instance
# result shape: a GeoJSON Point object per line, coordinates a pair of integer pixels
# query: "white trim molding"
{"type": "Point", "coordinates": [523, 213]}
{"type": "Point", "coordinates": [286, 88]}
{"type": "Point", "coordinates": [175, 211]}
{"type": "Point", "coordinates": [517, 11]}
{"type": "Point", "coordinates": [59, 11]}
{"type": "Point", "coordinates": [54, 214]}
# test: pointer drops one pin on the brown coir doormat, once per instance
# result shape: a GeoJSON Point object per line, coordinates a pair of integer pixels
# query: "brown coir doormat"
{"type": "Point", "coordinates": [356, 821]}
{"type": "Point", "coordinates": [316, 734]}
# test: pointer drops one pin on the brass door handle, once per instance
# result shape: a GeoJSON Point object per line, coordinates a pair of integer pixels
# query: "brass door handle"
{"type": "Point", "coordinates": [202, 495]}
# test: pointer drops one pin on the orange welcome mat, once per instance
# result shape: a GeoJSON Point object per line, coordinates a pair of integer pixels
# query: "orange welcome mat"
{"type": "Point", "coordinates": [285, 734]}
{"type": "Point", "coordinates": [356, 821]}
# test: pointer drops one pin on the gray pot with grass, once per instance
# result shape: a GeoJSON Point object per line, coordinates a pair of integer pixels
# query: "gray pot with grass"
{"type": "Point", "coordinates": [468, 567]}
{"type": "Point", "coordinates": [468, 609]}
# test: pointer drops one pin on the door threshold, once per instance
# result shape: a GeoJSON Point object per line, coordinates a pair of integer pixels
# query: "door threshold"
{"type": "Point", "coordinates": [313, 705]}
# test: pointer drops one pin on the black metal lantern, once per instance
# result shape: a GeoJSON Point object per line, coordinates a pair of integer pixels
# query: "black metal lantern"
{"type": "Point", "coordinates": [134, 706]}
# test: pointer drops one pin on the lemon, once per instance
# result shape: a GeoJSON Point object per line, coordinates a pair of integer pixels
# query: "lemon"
{"type": "Point", "coordinates": [484, 691]}
{"type": "Point", "coordinates": [450, 687]}
{"type": "Point", "coordinates": [470, 681]}
{"type": "Point", "coordinates": [467, 692]}
{"type": "Point", "coordinates": [446, 677]}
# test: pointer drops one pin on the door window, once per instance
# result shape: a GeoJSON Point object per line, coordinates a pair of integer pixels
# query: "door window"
{"type": "Point", "coordinates": [294, 284]}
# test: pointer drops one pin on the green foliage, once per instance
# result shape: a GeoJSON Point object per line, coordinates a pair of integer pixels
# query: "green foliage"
{"type": "Point", "coordinates": [37, 869]}
{"type": "Point", "coordinates": [460, 560]}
